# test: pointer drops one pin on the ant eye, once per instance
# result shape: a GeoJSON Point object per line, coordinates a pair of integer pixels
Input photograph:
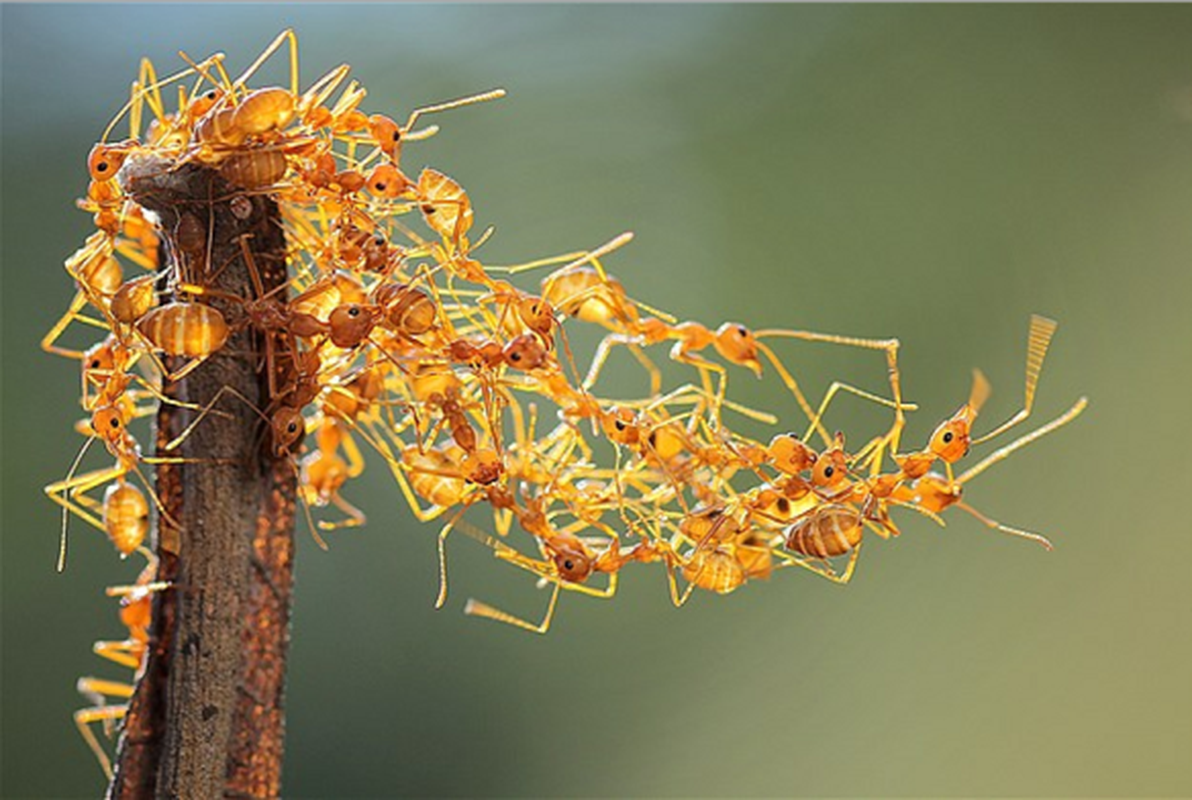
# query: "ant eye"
{"type": "Point", "coordinates": [353, 312]}
{"type": "Point", "coordinates": [829, 472]}
{"type": "Point", "coordinates": [947, 437]}
{"type": "Point", "coordinates": [784, 505]}
{"type": "Point", "coordinates": [293, 426]}
{"type": "Point", "coordinates": [568, 564]}
{"type": "Point", "coordinates": [210, 95]}
{"type": "Point", "coordinates": [515, 356]}
{"type": "Point", "coordinates": [95, 364]}
{"type": "Point", "coordinates": [619, 425]}
{"type": "Point", "coordinates": [101, 166]}
{"type": "Point", "coordinates": [742, 330]}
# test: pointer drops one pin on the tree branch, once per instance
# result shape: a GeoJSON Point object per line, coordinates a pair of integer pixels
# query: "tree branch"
{"type": "Point", "coordinates": [207, 717]}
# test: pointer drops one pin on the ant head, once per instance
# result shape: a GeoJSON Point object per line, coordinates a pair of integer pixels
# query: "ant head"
{"type": "Point", "coordinates": [571, 557]}
{"type": "Point", "coordinates": [525, 352]}
{"type": "Point", "coordinates": [736, 343]}
{"type": "Point", "coordinates": [621, 426]}
{"type": "Point", "coordinates": [108, 423]}
{"type": "Point", "coordinates": [100, 357]}
{"type": "Point", "coordinates": [288, 428]}
{"type": "Point", "coordinates": [387, 181]}
{"type": "Point", "coordinates": [831, 468]}
{"type": "Point", "coordinates": [788, 454]}
{"type": "Point", "coordinates": [105, 160]}
{"type": "Point", "coordinates": [537, 314]}
{"type": "Point", "coordinates": [205, 102]}
{"type": "Point", "coordinates": [484, 466]}
{"type": "Point", "coordinates": [351, 323]}
{"type": "Point", "coordinates": [386, 133]}
{"type": "Point", "coordinates": [951, 439]}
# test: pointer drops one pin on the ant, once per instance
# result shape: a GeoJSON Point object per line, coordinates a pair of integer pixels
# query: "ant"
{"type": "Point", "coordinates": [136, 613]}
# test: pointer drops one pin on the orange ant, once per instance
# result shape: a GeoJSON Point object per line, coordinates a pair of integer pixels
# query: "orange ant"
{"type": "Point", "coordinates": [123, 511]}
{"type": "Point", "coordinates": [324, 471]}
{"type": "Point", "coordinates": [936, 493]}
{"type": "Point", "coordinates": [567, 562]}
{"type": "Point", "coordinates": [135, 614]}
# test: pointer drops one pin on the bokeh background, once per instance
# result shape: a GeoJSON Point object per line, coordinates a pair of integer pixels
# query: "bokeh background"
{"type": "Point", "coordinates": [935, 173]}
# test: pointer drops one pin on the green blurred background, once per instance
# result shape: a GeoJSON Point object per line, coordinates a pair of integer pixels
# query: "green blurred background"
{"type": "Point", "coordinates": [935, 173]}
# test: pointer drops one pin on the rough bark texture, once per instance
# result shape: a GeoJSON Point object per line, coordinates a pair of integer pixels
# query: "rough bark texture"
{"type": "Point", "coordinates": [207, 718]}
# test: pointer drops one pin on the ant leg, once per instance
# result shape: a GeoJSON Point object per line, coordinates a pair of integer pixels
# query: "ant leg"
{"type": "Point", "coordinates": [1001, 453]}
{"type": "Point", "coordinates": [1034, 537]}
{"type": "Point", "coordinates": [889, 346]}
{"type": "Point", "coordinates": [186, 369]}
{"type": "Point", "coordinates": [48, 342]}
{"type": "Point", "coordinates": [838, 386]}
{"type": "Point", "coordinates": [602, 352]}
{"type": "Point", "coordinates": [209, 408]}
{"type": "Point", "coordinates": [492, 94]}
{"type": "Point", "coordinates": [323, 88]}
{"type": "Point", "coordinates": [476, 608]}
{"type": "Point", "coordinates": [63, 492]}
{"type": "Point", "coordinates": [177, 76]}
{"type": "Point", "coordinates": [442, 598]}
{"type": "Point", "coordinates": [827, 571]}
{"type": "Point", "coordinates": [145, 90]}
{"type": "Point", "coordinates": [1038, 340]}
{"type": "Point", "coordinates": [120, 652]}
{"type": "Point", "coordinates": [285, 36]}
{"type": "Point", "coordinates": [355, 517]}
{"type": "Point", "coordinates": [100, 713]}
{"type": "Point", "coordinates": [649, 366]}
{"type": "Point", "coordinates": [355, 459]}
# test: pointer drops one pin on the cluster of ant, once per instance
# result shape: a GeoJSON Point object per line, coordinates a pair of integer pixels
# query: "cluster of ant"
{"type": "Point", "coordinates": [443, 368]}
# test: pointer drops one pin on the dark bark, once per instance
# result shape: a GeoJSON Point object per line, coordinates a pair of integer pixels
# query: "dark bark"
{"type": "Point", "coordinates": [207, 717]}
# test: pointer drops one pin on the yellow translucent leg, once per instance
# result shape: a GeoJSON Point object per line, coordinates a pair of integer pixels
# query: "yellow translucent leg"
{"type": "Point", "coordinates": [83, 720]}
{"type": "Point", "coordinates": [476, 608]}
{"type": "Point", "coordinates": [826, 571]}
{"type": "Point", "coordinates": [888, 346]}
{"type": "Point", "coordinates": [1034, 537]}
{"type": "Point", "coordinates": [1038, 340]}
{"type": "Point", "coordinates": [838, 386]}
{"type": "Point", "coordinates": [354, 517]}
{"type": "Point", "coordinates": [446, 530]}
